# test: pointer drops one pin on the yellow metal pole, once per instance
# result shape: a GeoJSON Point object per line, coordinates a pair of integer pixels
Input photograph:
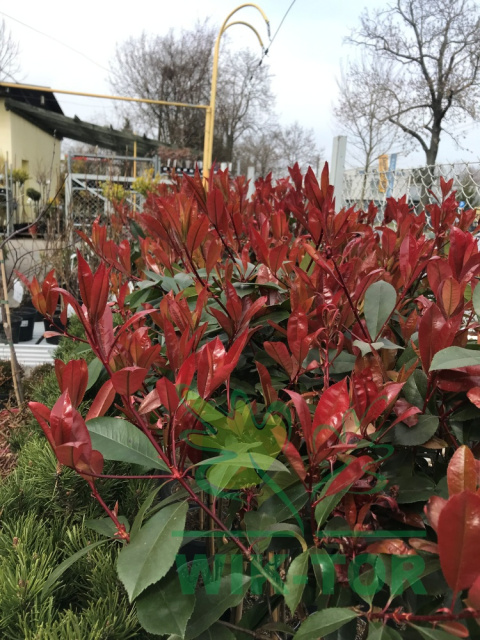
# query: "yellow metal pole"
{"type": "Point", "coordinates": [103, 96]}
{"type": "Point", "coordinates": [134, 172]}
{"type": "Point", "coordinates": [210, 113]}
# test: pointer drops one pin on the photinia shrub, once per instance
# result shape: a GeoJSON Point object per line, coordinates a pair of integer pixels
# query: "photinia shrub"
{"type": "Point", "coordinates": [305, 387]}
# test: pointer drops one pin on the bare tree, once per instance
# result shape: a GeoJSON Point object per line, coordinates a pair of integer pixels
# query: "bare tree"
{"type": "Point", "coordinates": [177, 67]}
{"type": "Point", "coordinates": [171, 67]}
{"type": "Point", "coordinates": [297, 144]}
{"type": "Point", "coordinates": [244, 100]}
{"type": "Point", "coordinates": [431, 49]}
{"type": "Point", "coordinates": [358, 110]}
{"type": "Point", "coordinates": [276, 148]}
{"type": "Point", "coordinates": [259, 149]}
{"type": "Point", "coordinates": [9, 53]}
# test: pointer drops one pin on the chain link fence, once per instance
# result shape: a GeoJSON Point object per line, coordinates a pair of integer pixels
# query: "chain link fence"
{"type": "Point", "coordinates": [418, 185]}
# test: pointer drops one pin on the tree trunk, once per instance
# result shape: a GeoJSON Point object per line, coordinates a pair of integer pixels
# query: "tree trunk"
{"type": "Point", "coordinates": [428, 172]}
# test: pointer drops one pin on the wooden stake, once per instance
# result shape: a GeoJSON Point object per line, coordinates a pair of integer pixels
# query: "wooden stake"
{"type": "Point", "coordinates": [7, 327]}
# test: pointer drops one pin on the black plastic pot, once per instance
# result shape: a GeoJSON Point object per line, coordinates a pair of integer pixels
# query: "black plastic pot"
{"type": "Point", "coordinates": [15, 325]}
{"type": "Point", "coordinates": [27, 322]}
{"type": "Point", "coordinates": [58, 326]}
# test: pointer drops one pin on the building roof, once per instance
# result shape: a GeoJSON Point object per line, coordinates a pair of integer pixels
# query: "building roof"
{"type": "Point", "coordinates": [51, 119]}
{"type": "Point", "coordinates": [39, 98]}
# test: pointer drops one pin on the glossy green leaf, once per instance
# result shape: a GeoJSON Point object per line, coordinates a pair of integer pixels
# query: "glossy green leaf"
{"type": "Point", "coordinates": [323, 622]}
{"type": "Point", "coordinates": [432, 634]}
{"type": "Point", "coordinates": [117, 439]}
{"type": "Point", "coordinates": [415, 388]}
{"type": "Point", "coordinates": [418, 434]}
{"type": "Point", "coordinates": [380, 301]}
{"type": "Point", "coordinates": [106, 526]}
{"type": "Point", "coordinates": [455, 358]}
{"type": "Point", "coordinates": [325, 507]}
{"type": "Point", "coordinates": [66, 564]}
{"type": "Point", "coordinates": [164, 607]}
{"type": "Point", "coordinates": [149, 556]}
{"type": "Point", "coordinates": [95, 368]}
{"type": "Point", "coordinates": [209, 607]}
{"type": "Point", "coordinates": [137, 523]}
{"type": "Point", "coordinates": [379, 631]}
{"type": "Point", "coordinates": [216, 632]}
{"type": "Point", "coordinates": [476, 300]}
{"type": "Point", "coordinates": [414, 489]}
{"type": "Point", "coordinates": [297, 578]}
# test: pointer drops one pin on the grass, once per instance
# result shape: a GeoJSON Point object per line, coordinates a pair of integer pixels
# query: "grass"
{"type": "Point", "coordinates": [43, 520]}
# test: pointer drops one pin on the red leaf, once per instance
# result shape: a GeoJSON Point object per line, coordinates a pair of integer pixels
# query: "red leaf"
{"type": "Point", "coordinates": [85, 279]}
{"type": "Point", "coordinates": [434, 334]}
{"type": "Point", "coordinates": [279, 352]}
{"type": "Point", "coordinates": [196, 233]}
{"type": "Point", "coordinates": [186, 373]}
{"type": "Point", "coordinates": [297, 331]}
{"type": "Point", "coordinates": [99, 293]}
{"type": "Point", "coordinates": [167, 394]}
{"type": "Point", "coordinates": [450, 295]}
{"type": "Point", "coordinates": [392, 546]}
{"type": "Point", "coordinates": [216, 209]}
{"type": "Point", "coordinates": [474, 594]}
{"type": "Point", "coordinates": [128, 380]}
{"type": "Point", "coordinates": [438, 270]}
{"type": "Point", "coordinates": [462, 472]}
{"type": "Point", "coordinates": [294, 458]}
{"type": "Point", "coordinates": [420, 544]}
{"type": "Point", "coordinates": [474, 396]}
{"type": "Point", "coordinates": [214, 365]}
{"type": "Point", "coordinates": [332, 407]}
{"type": "Point", "coordinates": [350, 474]}
{"type": "Point", "coordinates": [72, 377]}
{"type": "Point", "coordinates": [103, 401]}
{"type": "Point", "coordinates": [303, 413]}
{"type": "Point", "coordinates": [103, 329]}
{"type": "Point", "coordinates": [458, 535]}
{"type": "Point", "coordinates": [269, 392]}
{"type": "Point", "coordinates": [408, 257]}
{"type": "Point", "coordinates": [456, 629]}
{"type": "Point", "coordinates": [433, 509]}
{"type": "Point", "coordinates": [42, 416]}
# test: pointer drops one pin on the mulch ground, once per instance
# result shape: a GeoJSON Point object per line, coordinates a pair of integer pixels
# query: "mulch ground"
{"type": "Point", "coordinates": [10, 419]}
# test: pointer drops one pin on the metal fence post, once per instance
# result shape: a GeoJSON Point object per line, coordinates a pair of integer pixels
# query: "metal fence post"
{"type": "Point", "coordinates": [339, 152]}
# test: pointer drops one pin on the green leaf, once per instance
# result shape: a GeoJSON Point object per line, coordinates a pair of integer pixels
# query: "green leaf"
{"type": "Point", "coordinates": [418, 434]}
{"type": "Point", "coordinates": [106, 526]}
{"type": "Point", "coordinates": [415, 388]}
{"type": "Point", "coordinates": [148, 557]}
{"type": "Point", "coordinates": [117, 439]}
{"type": "Point", "coordinates": [380, 301]}
{"type": "Point", "coordinates": [325, 507]}
{"type": "Point", "coordinates": [216, 632]}
{"type": "Point", "coordinates": [414, 489]}
{"type": "Point", "coordinates": [257, 525]}
{"type": "Point", "coordinates": [164, 607]}
{"type": "Point", "coordinates": [297, 578]}
{"type": "Point", "coordinates": [323, 622]}
{"type": "Point", "coordinates": [454, 358]}
{"type": "Point", "coordinates": [66, 564]}
{"type": "Point", "coordinates": [285, 504]}
{"type": "Point", "coordinates": [476, 300]}
{"type": "Point", "coordinates": [432, 634]}
{"type": "Point", "coordinates": [95, 368]}
{"type": "Point", "coordinates": [366, 347]}
{"type": "Point", "coordinates": [209, 608]}
{"type": "Point", "coordinates": [378, 631]}
{"type": "Point", "coordinates": [137, 523]}
{"type": "Point", "coordinates": [343, 363]}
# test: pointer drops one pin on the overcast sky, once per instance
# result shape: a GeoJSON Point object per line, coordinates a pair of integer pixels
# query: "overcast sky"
{"type": "Point", "coordinates": [305, 58]}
